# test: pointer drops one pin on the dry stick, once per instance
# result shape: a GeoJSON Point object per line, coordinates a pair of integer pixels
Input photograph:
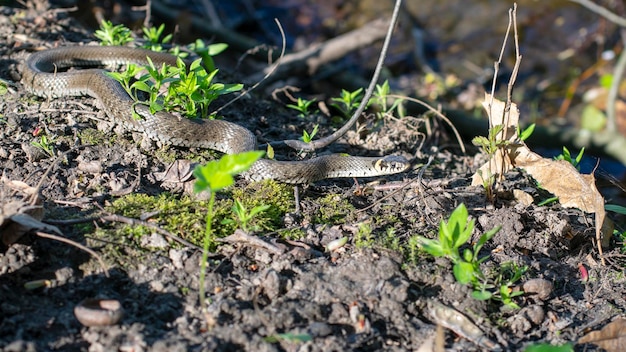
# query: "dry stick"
{"type": "Point", "coordinates": [77, 245]}
{"type": "Point", "coordinates": [619, 66]}
{"type": "Point", "coordinates": [620, 21]}
{"type": "Point", "coordinates": [436, 112]}
{"type": "Point", "coordinates": [611, 98]}
{"type": "Point", "coordinates": [309, 60]}
{"type": "Point", "coordinates": [509, 90]}
{"type": "Point", "coordinates": [323, 142]}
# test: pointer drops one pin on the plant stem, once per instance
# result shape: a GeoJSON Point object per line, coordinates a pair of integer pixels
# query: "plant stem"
{"type": "Point", "coordinates": [205, 250]}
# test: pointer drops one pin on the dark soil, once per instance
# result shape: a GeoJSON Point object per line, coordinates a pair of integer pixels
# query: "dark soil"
{"type": "Point", "coordinates": [371, 294]}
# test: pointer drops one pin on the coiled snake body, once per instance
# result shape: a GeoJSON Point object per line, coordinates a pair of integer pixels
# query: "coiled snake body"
{"type": "Point", "coordinates": [40, 76]}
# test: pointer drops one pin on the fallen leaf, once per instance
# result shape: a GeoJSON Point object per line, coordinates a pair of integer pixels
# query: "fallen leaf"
{"type": "Point", "coordinates": [612, 337]}
{"type": "Point", "coordinates": [575, 190]}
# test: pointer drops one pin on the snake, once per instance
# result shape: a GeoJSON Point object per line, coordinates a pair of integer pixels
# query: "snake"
{"type": "Point", "coordinates": [48, 74]}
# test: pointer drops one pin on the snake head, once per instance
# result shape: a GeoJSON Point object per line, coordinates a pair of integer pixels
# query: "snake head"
{"type": "Point", "coordinates": [391, 164]}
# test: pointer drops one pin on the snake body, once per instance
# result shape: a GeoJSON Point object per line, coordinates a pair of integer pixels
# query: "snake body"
{"type": "Point", "coordinates": [43, 77]}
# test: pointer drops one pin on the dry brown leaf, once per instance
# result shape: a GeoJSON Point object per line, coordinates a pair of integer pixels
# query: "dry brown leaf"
{"type": "Point", "coordinates": [575, 190]}
{"type": "Point", "coordinates": [612, 337]}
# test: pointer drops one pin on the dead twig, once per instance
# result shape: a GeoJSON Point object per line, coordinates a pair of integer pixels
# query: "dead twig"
{"type": "Point", "coordinates": [77, 245]}
{"type": "Point", "coordinates": [620, 21]}
{"type": "Point", "coordinates": [241, 237]}
{"type": "Point", "coordinates": [323, 142]}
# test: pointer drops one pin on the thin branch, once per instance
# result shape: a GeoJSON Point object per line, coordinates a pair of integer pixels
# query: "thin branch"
{"type": "Point", "coordinates": [323, 142]}
{"type": "Point", "coordinates": [611, 98]}
{"type": "Point", "coordinates": [77, 245]}
{"type": "Point", "coordinates": [620, 21]}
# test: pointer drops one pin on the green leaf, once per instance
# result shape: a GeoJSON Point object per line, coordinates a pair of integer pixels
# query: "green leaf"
{"type": "Point", "coordinates": [218, 174]}
{"type": "Point", "coordinates": [217, 48]}
{"type": "Point", "coordinates": [527, 132]}
{"type": "Point", "coordinates": [482, 295]}
{"type": "Point", "coordinates": [615, 208]}
{"type": "Point", "coordinates": [463, 272]}
{"type": "Point", "coordinates": [431, 247]}
{"type": "Point", "coordinates": [234, 164]}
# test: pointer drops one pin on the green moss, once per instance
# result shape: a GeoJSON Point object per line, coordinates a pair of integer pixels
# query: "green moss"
{"type": "Point", "coordinates": [94, 137]}
{"type": "Point", "coordinates": [334, 210]}
{"type": "Point", "coordinates": [184, 216]}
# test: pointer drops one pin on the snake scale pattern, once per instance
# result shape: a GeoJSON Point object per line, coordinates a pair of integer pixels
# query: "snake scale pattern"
{"type": "Point", "coordinates": [45, 74]}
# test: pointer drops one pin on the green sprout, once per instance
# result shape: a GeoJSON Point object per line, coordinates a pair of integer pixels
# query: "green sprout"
{"type": "Point", "coordinates": [306, 137]}
{"type": "Point", "coordinates": [213, 177]}
{"type": "Point", "coordinates": [568, 157]}
{"type": "Point", "coordinates": [113, 35]}
{"type": "Point", "coordinates": [456, 232]}
{"type": "Point", "coordinates": [348, 102]}
{"type": "Point", "coordinates": [302, 106]}
{"type": "Point", "coordinates": [44, 144]}
{"type": "Point", "coordinates": [243, 217]}
{"type": "Point", "coordinates": [153, 38]}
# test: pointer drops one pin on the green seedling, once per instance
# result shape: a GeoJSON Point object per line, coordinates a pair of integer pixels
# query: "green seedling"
{"type": "Point", "coordinates": [188, 91]}
{"type": "Point", "coordinates": [348, 102]}
{"type": "Point", "coordinates": [526, 133]}
{"type": "Point", "coordinates": [153, 38]}
{"type": "Point", "coordinates": [113, 35]}
{"type": "Point", "coordinates": [508, 274]}
{"type": "Point", "coordinates": [243, 217]}
{"type": "Point", "coordinates": [213, 177]}
{"type": "Point", "coordinates": [568, 157]}
{"type": "Point", "coordinates": [206, 52]}
{"type": "Point", "coordinates": [3, 87]}
{"type": "Point", "coordinates": [302, 106]}
{"type": "Point", "coordinates": [455, 233]}
{"type": "Point", "coordinates": [306, 137]}
{"type": "Point", "coordinates": [381, 99]}
{"type": "Point", "coordinates": [44, 144]}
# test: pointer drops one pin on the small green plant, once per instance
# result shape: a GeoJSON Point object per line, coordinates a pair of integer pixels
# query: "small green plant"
{"type": "Point", "coordinates": [113, 35]}
{"type": "Point", "coordinates": [153, 38]}
{"type": "Point", "coordinates": [381, 99]}
{"type": "Point", "coordinates": [456, 232]}
{"type": "Point", "coordinates": [213, 177]}
{"type": "Point", "coordinates": [206, 52]}
{"type": "Point", "coordinates": [302, 106]}
{"type": "Point", "coordinates": [3, 87]}
{"type": "Point", "coordinates": [526, 133]}
{"type": "Point", "coordinates": [306, 137]}
{"type": "Point", "coordinates": [568, 157]}
{"type": "Point", "coordinates": [508, 274]}
{"type": "Point", "coordinates": [243, 217]}
{"type": "Point", "coordinates": [187, 91]}
{"type": "Point", "coordinates": [490, 145]}
{"type": "Point", "coordinates": [364, 237]}
{"type": "Point", "coordinates": [348, 102]}
{"type": "Point", "coordinates": [44, 144]}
